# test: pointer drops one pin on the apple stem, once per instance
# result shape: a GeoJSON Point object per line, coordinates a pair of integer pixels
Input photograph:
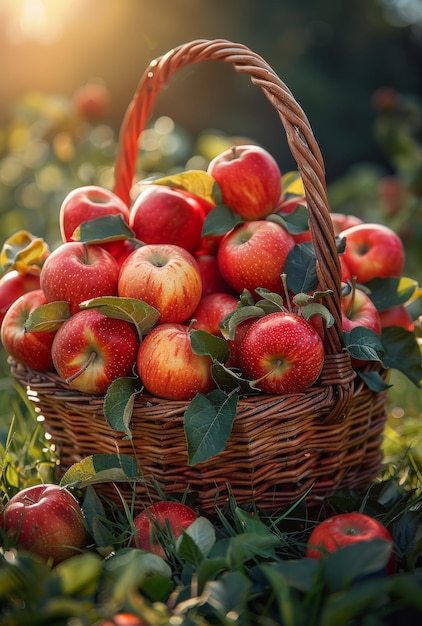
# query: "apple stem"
{"type": "Point", "coordinates": [234, 151]}
{"type": "Point", "coordinates": [258, 380]}
{"type": "Point", "coordinates": [83, 368]}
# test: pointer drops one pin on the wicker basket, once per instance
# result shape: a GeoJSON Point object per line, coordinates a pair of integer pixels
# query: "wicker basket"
{"type": "Point", "coordinates": [281, 446]}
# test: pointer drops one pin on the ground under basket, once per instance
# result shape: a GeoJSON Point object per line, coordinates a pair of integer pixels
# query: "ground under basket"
{"type": "Point", "coordinates": [281, 447]}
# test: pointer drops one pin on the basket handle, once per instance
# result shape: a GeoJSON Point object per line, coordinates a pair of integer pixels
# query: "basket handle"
{"type": "Point", "coordinates": [300, 138]}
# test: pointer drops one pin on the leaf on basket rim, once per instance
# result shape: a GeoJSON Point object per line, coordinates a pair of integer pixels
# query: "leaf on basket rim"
{"type": "Point", "coordinates": [208, 422]}
{"type": "Point", "coordinates": [118, 403]}
{"type": "Point", "coordinates": [100, 468]}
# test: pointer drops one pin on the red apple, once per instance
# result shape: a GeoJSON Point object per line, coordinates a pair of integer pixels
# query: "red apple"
{"type": "Point", "coordinates": [211, 310]}
{"type": "Point", "coordinates": [397, 315]}
{"type": "Point", "coordinates": [84, 204]}
{"type": "Point", "coordinates": [341, 221]}
{"type": "Point", "coordinates": [13, 285]}
{"type": "Point", "coordinates": [150, 521]}
{"type": "Point", "coordinates": [235, 344]}
{"type": "Point", "coordinates": [345, 529]}
{"type": "Point", "coordinates": [253, 255]}
{"type": "Point", "coordinates": [32, 349]}
{"type": "Point", "coordinates": [90, 101]}
{"type": "Point", "coordinates": [123, 619]}
{"type": "Point", "coordinates": [91, 350]}
{"type": "Point", "coordinates": [282, 352]}
{"type": "Point", "coordinates": [373, 251]}
{"type": "Point", "coordinates": [75, 272]}
{"type": "Point", "coordinates": [359, 310]}
{"type": "Point", "coordinates": [46, 520]}
{"type": "Point", "coordinates": [211, 277]}
{"type": "Point", "coordinates": [171, 216]}
{"type": "Point", "coordinates": [164, 276]}
{"type": "Point", "coordinates": [167, 366]}
{"type": "Point", "coordinates": [249, 179]}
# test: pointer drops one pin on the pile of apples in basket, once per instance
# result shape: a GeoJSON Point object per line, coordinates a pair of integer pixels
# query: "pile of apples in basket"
{"type": "Point", "coordinates": [207, 281]}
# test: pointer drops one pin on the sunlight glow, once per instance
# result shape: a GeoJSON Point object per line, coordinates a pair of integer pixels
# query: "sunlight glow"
{"type": "Point", "coordinates": [42, 21]}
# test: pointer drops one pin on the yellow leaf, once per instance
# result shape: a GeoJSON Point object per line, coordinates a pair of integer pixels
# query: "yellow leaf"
{"type": "Point", "coordinates": [292, 184]}
{"type": "Point", "coordinates": [22, 252]}
{"type": "Point", "coordinates": [197, 182]}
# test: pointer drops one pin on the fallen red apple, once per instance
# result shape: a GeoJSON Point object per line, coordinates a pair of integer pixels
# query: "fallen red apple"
{"type": "Point", "coordinates": [13, 285]}
{"type": "Point", "coordinates": [373, 251]}
{"type": "Point", "coordinates": [253, 255]}
{"type": "Point", "coordinates": [168, 367]}
{"type": "Point", "coordinates": [147, 524]}
{"type": "Point", "coordinates": [46, 520]}
{"type": "Point", "coordinates": [75, 272]}
{"type": "Point", "coordinates": [164, 276]}
{"type": "Point", "coordinates": [163, 215]}
{"type": "Point", "coordinates": [345, 529]}
{"type": "Point", "coordinates": [249, 179]}
{"type": "Point", "coordinates": [32, 349]}
{"type": "Point", "coordinates": [282, 353]}
{"type": "Point", "coordinates": [91, 350]}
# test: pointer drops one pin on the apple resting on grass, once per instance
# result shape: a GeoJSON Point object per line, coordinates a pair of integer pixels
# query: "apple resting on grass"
{"type": "Point", "coordinates": [249, 179]}
{"type": "Point", "coordinates": [46, 520]}
{"type": "Point", "coordinates": [30, 349]}
{"type": "Point", "coordinates": [253, 255]}
{"type": "Point", "coordinates": [148, 523]}
{"type": "Point", "coordinates": [167, 366]}
{"type": "Point", "coordinates": [345, 529]}
{"type": "Point", "coordinates": [282, 353]}
{"type": "Point", "coordinates": [13, 285]}
{"type": "Point", "coordinates": [373, 251]}
{"type": "Point", "coordinates": [164, 276]}
{"type": "Point", "coordinates": [91, 350]}
{"type": "Point", "coordinates": [75, 272]}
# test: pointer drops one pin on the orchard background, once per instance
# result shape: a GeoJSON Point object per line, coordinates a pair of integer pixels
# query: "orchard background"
{"type": "Point", "coordinates": [69, 70]}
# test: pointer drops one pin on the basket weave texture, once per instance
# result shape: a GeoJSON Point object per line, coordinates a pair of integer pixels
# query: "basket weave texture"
{"type": "Point", "coordinates": [280, 447]}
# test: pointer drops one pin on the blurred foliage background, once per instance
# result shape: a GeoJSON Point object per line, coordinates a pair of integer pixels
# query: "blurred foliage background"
{"type": "Point", "coordinates": [70, 67]}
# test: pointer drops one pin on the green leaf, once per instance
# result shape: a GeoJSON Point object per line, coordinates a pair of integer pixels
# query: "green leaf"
{"type": "Point", "coordinates": [219, 221]}
{"type": "Point", "coordinates": [208, 422]}
{"type": "Point", "coordinates": [231, 380]}
{"type": "Point", "coordinates": [206, 344]}
{"type": "Point", "coordinates": [300, 268]}
{"type": "Point", "coordinates": [229, 595]}
{"type": "Point", "coordinates": [388, 292]}
{"type": "Point", "coordinates": [246, 546]}
{"type": "Point", "coordinates": [79, 575]}
{"type": "Point", "coordinates": [296, 222]}
{"type": "Point", "coordinates": [104, 228]}
{"type": "Point", "coordinates": [374, 381]}
{"type": "Point", "coordinates": [316, 309]}
{"type": "Point", "coordinates": [402, 352]}
{"type": "Point", "coordinates": [118, 403]}
{"type": "Point", "coordinates": [132, 310]}
{"type": "Point", "coordinates": [271, 302]}
{"type": "Point", "coordinates": [236, 317]}
{"type": "Point", "coordinates": [48, 317]}
{"type": "Point", "coordinates": [364, 344]}
{"type": "Point", "coordinates": [100, 468]}
{"type": "Point", "coordinates": [202, 533]}
{"type": "Point", "coordinates": [209, 569]}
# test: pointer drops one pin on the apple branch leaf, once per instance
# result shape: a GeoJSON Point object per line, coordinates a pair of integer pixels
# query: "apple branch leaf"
{"type": "Point", "coordinates": [230, 380]}
{"type": "Point", "coordinates": [300, 268]}
{"type": "Point", "coordinates": [364, 344]}
{"type": "Point", "coordinates": [271, 302]}
{"type": "Point", "coordinates": [208, 422]}
{"type": "Point", "coordinates": [118, 404]}
{"type": "Point", "coordinates": [219, 221]}
{"type": "Point", "coordinates": [206, 344]}
{"type": "Point", "coordinates": [402, 352]}
{"type": "Point", "coordinates": [48, 317]}
{"type": "Point", "coordinates": [229, 323]}
{"type": "Point", "coordinates": [132, 310]}
{"type": "Point", "coordinates": [314, 309]}
{"type": "Point", "coordinates": [296, 222]}
{"type": "Point", "coordinates": [388, 292]}
{"type": "Point", "coordinates": [197, 182]}
{"type": "Point", "coordinates": [100, 468]}
{"type": "Point", "coordinates": [104, 228]}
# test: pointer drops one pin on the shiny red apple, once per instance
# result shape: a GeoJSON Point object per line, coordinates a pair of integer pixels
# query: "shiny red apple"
{"type": "Point", "coordinates": [13, 285]}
